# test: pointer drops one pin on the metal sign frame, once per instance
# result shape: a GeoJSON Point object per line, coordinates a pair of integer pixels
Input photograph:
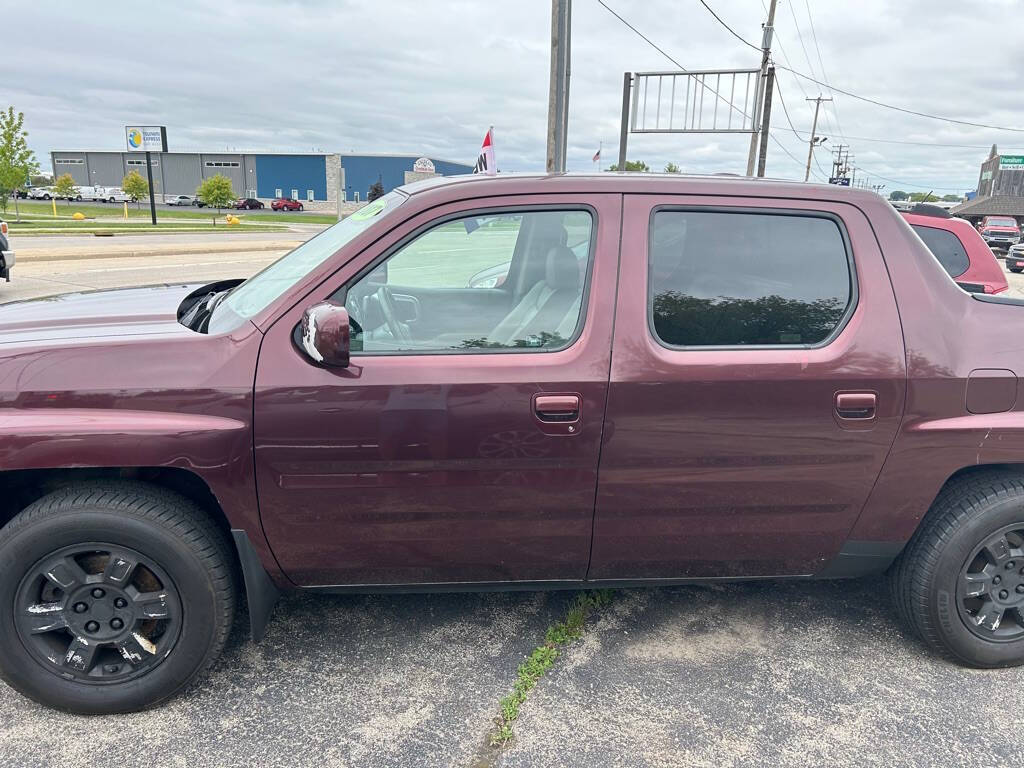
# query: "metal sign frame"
{"type": "Point", "coordinates": [704, 108]}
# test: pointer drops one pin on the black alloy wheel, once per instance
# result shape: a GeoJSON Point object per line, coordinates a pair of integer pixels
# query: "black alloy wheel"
{"type": "Point", "coordinates": [991, 589]}
{"type": "Point", "coordinates": [98, 613]}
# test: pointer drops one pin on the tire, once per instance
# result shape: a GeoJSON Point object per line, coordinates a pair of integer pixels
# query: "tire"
{"type": "Point", "coordinates": [300, 207]}
{"type": "Point", "coordinates": [179, 622]}
{"type": "Point", "coordinates": [78, 198]}
{"type": "Point", "coordinates": [1016, 270]}
{"type": "Point", "coordinates": [929, 581]}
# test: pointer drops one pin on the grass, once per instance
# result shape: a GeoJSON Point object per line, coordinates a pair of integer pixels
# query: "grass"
{"type": "Point", "coordinates": [543, 658]}
{"type": "Point", "coordinates": [52, 226]}
{"type": "Point", "coordinates": [65, 210]}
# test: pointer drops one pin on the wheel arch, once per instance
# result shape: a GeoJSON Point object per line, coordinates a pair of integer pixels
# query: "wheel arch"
{"type": "Point", "coordinates": [19, 488]}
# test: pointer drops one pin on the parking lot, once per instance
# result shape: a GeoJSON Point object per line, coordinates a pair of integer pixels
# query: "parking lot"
{"type": "Point", "coordinates": [796, 673]}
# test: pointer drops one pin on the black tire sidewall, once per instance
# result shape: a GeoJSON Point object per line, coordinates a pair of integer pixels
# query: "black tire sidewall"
{"type": "Point", "coordinates": [191, 579]}
{"type": "Point", "coordinates": [943, 605]}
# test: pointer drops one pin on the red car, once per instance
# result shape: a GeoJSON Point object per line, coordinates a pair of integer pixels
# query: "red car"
{"type": "Point", "coordinates": [285, 204]}
{"type": "Point", "coordinates": [959, 248]}
{"type": "Point", "coordinates": [248, 203]}
{"type": "Point", "coordinates": [748, 379]}
{"type": "Point", "coordinates": [1000, 232]}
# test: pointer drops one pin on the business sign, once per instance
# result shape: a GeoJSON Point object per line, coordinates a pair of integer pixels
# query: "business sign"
{"type": "Point", "coordinates": [424, 165]}
{"type": "Point", "coordinates": [146, 138]}
{"type": "Point", "coordinates": [842, 181]}
{"type": "Point", "coordinates": [1011, 162]}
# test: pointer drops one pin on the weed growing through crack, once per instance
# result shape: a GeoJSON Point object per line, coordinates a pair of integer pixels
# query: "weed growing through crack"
{"type": "Point", "coordinates": [543, 657]}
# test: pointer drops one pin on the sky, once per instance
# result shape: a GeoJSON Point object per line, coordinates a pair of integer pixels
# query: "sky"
{"type": "Point", "coordinates": [429, 77]}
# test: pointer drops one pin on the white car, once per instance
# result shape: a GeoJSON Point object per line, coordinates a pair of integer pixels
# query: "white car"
{"type": "Point", "coordinates": [178, 199]}
{"type": "Point", "coordinates": [40, 193]}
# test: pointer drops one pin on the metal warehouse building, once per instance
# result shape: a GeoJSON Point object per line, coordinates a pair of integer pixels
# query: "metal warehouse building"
{"type": "Point", "coordinates": [315, 177]}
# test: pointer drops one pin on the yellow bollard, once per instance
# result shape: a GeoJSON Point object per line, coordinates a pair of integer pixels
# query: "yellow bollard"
{"type": "Point", "coordinates": [126, 210]}
{"type": "Point", "coordinates": [54, 201]}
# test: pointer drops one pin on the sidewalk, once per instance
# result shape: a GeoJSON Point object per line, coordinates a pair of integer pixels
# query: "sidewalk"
{"type": "Point", "coordinates": [68, 248]}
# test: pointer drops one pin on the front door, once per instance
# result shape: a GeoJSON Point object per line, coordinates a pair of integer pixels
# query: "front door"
{"type": "Point", "coordinates": [461, 444]}
{"type": "Point", "coordinates": [757, 383]}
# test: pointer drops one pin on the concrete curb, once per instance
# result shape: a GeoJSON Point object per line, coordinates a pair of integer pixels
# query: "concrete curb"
{"type": "Point", "coordinates": [113, 251]}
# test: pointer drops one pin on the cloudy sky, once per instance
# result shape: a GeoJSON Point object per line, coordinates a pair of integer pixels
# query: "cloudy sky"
{"type": "Point", "coordinates": [430, 76]}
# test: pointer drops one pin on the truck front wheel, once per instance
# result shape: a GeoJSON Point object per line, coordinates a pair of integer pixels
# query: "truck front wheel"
{"type": "Point", "coordinates": [115, 596]}
{"type": "Point", "coordinates": [959, 584]}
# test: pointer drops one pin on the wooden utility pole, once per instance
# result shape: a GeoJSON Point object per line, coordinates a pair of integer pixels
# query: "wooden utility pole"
{"type": "Point", "coordinates": [814, 141]}
{"type": "Point", "coordinates": [766, 120]}
{"type": "Point", "coordinates": [766, 52]}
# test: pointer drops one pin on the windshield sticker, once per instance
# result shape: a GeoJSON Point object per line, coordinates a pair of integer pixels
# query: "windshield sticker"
{"type": "Point", "coordinates": [369, 210]}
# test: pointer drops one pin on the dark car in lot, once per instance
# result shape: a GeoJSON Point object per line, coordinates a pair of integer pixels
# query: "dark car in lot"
{"type": "Point", "coordinates": [248, 203]}
{"type": "Point", "coordinates": [746, 379]}
{"type": "Point", "coordinates": [959, 248]}
{"type": "Point", "coordinates": [285, 204]}
{"type": "Point", "coordinates": [6, 254]}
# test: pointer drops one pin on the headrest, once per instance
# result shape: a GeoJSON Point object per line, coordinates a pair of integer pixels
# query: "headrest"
{"type": "Point", "coordinates": [548, 229]}
{"type": "Point", "coordinates": [562, 269]}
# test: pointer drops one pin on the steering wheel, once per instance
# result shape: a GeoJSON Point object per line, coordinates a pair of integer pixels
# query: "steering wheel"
{"type": "Point", "coordinates": [387, 306]}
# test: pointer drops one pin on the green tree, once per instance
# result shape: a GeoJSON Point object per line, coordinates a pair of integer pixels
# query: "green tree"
{"type": "Point", "coordinates": [17, 162]}
{"type": "Point", "coordinates": [632, 165]}
{"type": "Point", "coordinates": [897, 194]}
{"type": "Point", "coordinates": [216, 192]}
{"type": "Point", "coordinates": [673, 168]}
{"type": "Point", "coordinates": [133, 184]}
{"type": "Point", "coordinates": [376, 190]}
{"type": "Point", "coordinates": [921, 197]}
{"type": "Point", "coordinates": [64, 187]}
{"type": "Point", "coordinates": [951, 198]}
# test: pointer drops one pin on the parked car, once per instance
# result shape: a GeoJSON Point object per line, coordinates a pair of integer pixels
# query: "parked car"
{"type": "Point", "coordinates": [198, 202]}
{"type": "Point", "coordinates": [959, 248]}
{"type": "Point", "coordinates": [6, 254]}
{"type": "Point", "coordinates": [285, 204]}
{"type": "Point", "coordinates": [179, 199]}
{"type": "Point", "coordinates": [41, 193]}
{"type": "Point", "coordinates": [248, 203]}
{"type": "Point", "coordinates": [752, 379]}
{"type": "Point", "coordinates": [1015, 258]}
{"type": "Point", "coordinates": [1000, 231]}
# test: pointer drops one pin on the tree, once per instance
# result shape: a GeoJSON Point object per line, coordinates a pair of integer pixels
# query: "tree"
{"type": "Point", "coordinates": [673, 168]}
{"type": "Point", "coordinates": [133, 184]}
{"type": "Point", "coordinates": [897, 194]}
{"type": "Point", "coordinates": [376, 190]}
{"type": "Point", "coordinates": [921, 197]}
{"type": "Point", "coordinates": [17, 162]}
{"type": "Point", "coordinates": [64, 187]}
{"type": "Point", "coordinates": [632, 165]}
{"type": "Point", "coordinates": [216, 192]}
{"type": "Point", "coordinates": [951, 198]}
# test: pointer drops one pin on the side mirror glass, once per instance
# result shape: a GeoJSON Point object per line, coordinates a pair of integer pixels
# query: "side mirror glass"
{"type": "Point", "coordinates": [324, 334]}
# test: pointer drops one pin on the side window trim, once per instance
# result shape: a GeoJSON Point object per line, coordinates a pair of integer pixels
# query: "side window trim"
{"type": "Point", "coordinates": [341, 294]}
{"type": "Point", "coordinates": [851, 306]}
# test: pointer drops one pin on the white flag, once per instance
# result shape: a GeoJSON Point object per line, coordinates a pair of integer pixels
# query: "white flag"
{"type": "Point", "coordinates": [485, 162]}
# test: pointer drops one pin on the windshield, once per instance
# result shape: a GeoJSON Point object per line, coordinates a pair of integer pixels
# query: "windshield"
{"type": "Point", "coordinates": [262, 289]}
{"type": "Point", "coordinates": [1000, 222]}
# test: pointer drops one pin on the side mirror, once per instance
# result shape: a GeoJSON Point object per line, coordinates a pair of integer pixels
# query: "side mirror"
{"type": "Point", "coordinates": [324, 334]}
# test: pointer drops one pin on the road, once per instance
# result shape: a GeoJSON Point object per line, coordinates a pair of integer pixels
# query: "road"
{"type": "Point", "coordinates": [764, 674]}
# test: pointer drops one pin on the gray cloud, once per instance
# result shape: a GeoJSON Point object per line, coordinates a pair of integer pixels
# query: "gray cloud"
{"type": "Point", "coordinates": [430, 77]}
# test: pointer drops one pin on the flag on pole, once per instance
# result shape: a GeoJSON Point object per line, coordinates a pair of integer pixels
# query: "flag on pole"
{"type": "Point", "coordinates": [597, 156]}
{"type": "Point", "coordinates": [485, 162]}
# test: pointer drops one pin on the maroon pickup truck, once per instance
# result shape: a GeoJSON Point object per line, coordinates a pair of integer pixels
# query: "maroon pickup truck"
{"type": "Point", "coordinates": [674, 380]}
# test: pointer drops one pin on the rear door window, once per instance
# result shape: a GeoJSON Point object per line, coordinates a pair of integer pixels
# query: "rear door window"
{"type": "Point", "coordinates": [745, 278]}
{"type": "Point", "coordinates": [946, 247]}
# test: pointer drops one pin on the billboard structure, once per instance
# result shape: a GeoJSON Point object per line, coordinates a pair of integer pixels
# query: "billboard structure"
{"type": "Point", "coordinates": [691, 101]}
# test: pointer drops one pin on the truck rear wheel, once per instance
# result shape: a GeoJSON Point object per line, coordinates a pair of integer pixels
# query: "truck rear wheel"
{"type": "Point", "coordinates": [115, 596]}
{"type": "Point", "coordinates": [959, 584]}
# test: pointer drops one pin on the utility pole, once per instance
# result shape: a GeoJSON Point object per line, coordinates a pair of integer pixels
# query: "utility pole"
{"type": "Point", "coordinates": [558, 91]}
{"type": "Point", "coordinates": [814, 139]}
{"type": "Point", "coordinates": [627, 84]}
{"type": "Point", "coordinates": [766, 52]}
{"type": "Point", "coordinates": [766, 120]}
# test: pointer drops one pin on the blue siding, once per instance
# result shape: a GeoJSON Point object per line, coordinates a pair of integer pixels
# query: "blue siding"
{"type": "Point", "coordinates": [362, 171]}
{"type": "Point", "coordinates": [288, 172]}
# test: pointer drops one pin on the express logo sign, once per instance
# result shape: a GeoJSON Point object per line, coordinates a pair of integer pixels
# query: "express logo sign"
{"type": "Point", "coordinates": [135, 138]}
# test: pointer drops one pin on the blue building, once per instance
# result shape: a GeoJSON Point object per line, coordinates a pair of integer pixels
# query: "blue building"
{"type": "Point", "coordinates": [309, 177]}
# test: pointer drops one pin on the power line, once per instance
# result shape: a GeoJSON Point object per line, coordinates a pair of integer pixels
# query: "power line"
{"type": "Point", "coordinates": [785, 111]}
{"type": "Point", "coordinates": [898, 109]}
{"type": "Point", "coordinates": [905, 183]}
{"type": "Point", "coordinates": [731, 30]}
{"type": "Point", "coordinates": [821, 64]}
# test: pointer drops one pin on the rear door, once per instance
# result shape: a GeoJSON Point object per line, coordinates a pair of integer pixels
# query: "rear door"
{"type": "Point", "coordinates": [461, 445]}
{"type": "Point", "coordinates": [758, 380]}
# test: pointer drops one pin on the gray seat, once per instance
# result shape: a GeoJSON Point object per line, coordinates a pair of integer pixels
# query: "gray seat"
{"type": "Point", "coordinates": [544, 308]}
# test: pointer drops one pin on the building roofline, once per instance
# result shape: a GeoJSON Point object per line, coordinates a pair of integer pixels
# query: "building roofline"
{"type": "Point", "coordinates": [254, 152]}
